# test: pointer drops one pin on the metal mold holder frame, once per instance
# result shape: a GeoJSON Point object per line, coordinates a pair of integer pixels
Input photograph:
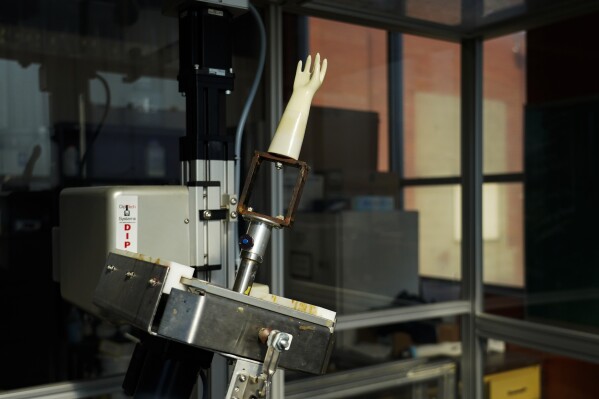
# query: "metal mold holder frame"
{"type": "Point", "coordinates": [208, 316]}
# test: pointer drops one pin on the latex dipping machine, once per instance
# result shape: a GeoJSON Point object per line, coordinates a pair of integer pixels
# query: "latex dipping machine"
{"type": "Point", "coordinates": [182, 307]}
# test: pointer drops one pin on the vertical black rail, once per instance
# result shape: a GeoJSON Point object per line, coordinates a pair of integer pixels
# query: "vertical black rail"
{"type": "Point", "coordinates": [205, 77]}
{"type": "Point", "coordinates": [396, 119]}
{"type": "Point", "coordinates": [472, 179]}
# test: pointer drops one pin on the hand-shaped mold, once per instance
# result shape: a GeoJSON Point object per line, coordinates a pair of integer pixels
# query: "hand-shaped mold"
{"type": "Point", "coordinates": [292, 127]}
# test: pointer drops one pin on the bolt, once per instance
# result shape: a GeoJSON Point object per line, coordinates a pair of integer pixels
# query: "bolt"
{"type": "Point", "coordinates": [207, 214]}
{"type": "Point", "coordinates": [233, 201]}
{"type": "Point", "coordinates": [130, 274]}
{"type": "Point", "coordinates": [110, 268]}
{"type": "Point", "coordinates": [186, 221]}
{"type": "Point", "coordinates": [242, 377]}
{"type": "Point", "coordinates": [233, 214]}
{"type": "Point", "coordinates": [279, 165]}
{"type": "Point", "coordinates": [153, 282]}
{"type": "Point", "coordinates": [283, 342]}
{"type": "Point", "coordinates": [250, 209]}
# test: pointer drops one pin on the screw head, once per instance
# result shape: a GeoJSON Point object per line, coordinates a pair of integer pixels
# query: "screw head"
{"type": "Point", "coordinates": [242, 377]}
{"type": "Point", "coordinates": [130, 274]}
{"type": "Point", "coordinates": [111, 268]}
{"type": "Point", "coordinates": [233, 201]}
{"type": "Point", "coordinates": [196, 66]}
{"type": "Point", "coordinates": [284, 342]}
{"type": "Point", "coordinates": [233, 215]}
{"type": "Point", "coordinates": [228, 92]}
{"type": "Point", "coordinates": [186, 221]}
{"type": "Point", "coordinates": [153, 282]}
{"type": "Point", "coordinates": [250, 209]}
{"type": "Point", "coordinates": [278, 165]}
{"type": "Point", "coordinates": [207, 214]}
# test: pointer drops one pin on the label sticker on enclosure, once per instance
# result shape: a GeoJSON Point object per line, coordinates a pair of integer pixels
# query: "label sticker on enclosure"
{"type": "Point", "coordinates": [126, 222]}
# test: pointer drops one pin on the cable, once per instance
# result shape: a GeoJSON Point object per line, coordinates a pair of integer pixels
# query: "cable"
{"type": "Point", "coordinates": [100, 125]}
{"type": "Point", "coordinates": [251, 96]}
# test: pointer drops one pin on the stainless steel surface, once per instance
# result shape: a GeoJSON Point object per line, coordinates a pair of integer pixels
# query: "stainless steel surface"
{"type": "Point", "coordinates": [203, 286]}
{"type": "Point", "coordinates": [231, 326]}
{"type": "Point", "coordinates": [246, 273]}
{"type": "Point", "coordinates": [258, 233]}
{"type": "Point", "coordinates": [369, 379]}
{"type": "Point", "coordinates": [212, 240]}
{"type": "Point", "coordinates": [88, 231]}
{"type": "Point", "coordinates": [278, 342]}
{"type": "Point", "coordinates": [251, 380]}
{"type": "Point", "coordinates": [212, 317]}
{"type": "Point", "coordinates": [125, 294]}
{"type": "Point", "coordinates": [243, 382]}
{"type": "Point", "coordinates": [69, 390]}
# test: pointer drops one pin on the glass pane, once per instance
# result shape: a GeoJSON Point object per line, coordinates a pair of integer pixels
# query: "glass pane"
{"type": "Point", "coordinates": [431, 107]}
{"type": "Point", "coordinates": [439, 239]}
{"type": "Point", "coordinates": [356, 81]}
{"type": "Point", "coordinates": [88, 96]}
{"type": "Point", "coordinates": [558, 196]}
{"type": "Point", "coordinates": [504, 91]}
{"type": "Point", "coordinates": [401, 351]}
{"type": "Point", "coordinates": [514, 370]}
{"type": "Point", "coordinates": [503, 235]}
{"type": "Point", "coordinates": [348, 217]}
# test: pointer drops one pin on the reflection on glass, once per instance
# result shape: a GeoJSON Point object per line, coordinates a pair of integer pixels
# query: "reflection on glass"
{"type": "Point", "coordinates": [503, 240]}
{"type": "Point", "coordinates": [25, 147]}
{"type": "Point", "coordinates": [353, 261]}
{"type": "Point", "coordinates": [423, 340]}
{"type": "Point", "coordinates": [556, 203]}
{"type": "Point", "coordinates": [504, 90]}
{"type": "Point", "coordinates": [357, 80]}
{"type": "Point", "coordinates": [431, 107]}
{"type": "Point", "coordinates": [439, 238]}
{"type": "Point", "coordinates": [438, 11]}
{"type": "Point", "coordinates": [77, 78]}
{"type": "Point", "coordinates": [350, 249]}
{"type": "Point", "coordinates": [530, 373]}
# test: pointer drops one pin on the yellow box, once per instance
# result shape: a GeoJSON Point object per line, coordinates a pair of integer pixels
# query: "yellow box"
{"type": "Point", "coordinates": [523, 383]}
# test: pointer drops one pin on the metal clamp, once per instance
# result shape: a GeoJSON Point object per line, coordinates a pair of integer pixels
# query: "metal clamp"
{"type": "Point", "coordinates": [246, 382]}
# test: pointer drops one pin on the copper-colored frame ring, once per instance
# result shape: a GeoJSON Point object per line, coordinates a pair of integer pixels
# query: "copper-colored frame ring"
{"type": "Point", "coordinates": [259, 157]}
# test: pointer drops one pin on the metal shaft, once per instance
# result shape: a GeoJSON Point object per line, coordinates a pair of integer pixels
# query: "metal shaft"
{"type": "Point", "coordinates": [253, 246]}
{"type": "Point", "coordinates": [245, 276]}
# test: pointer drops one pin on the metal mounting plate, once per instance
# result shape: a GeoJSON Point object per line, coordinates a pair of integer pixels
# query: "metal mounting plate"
{"type": "Point", "coordinates": [230, 325]}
